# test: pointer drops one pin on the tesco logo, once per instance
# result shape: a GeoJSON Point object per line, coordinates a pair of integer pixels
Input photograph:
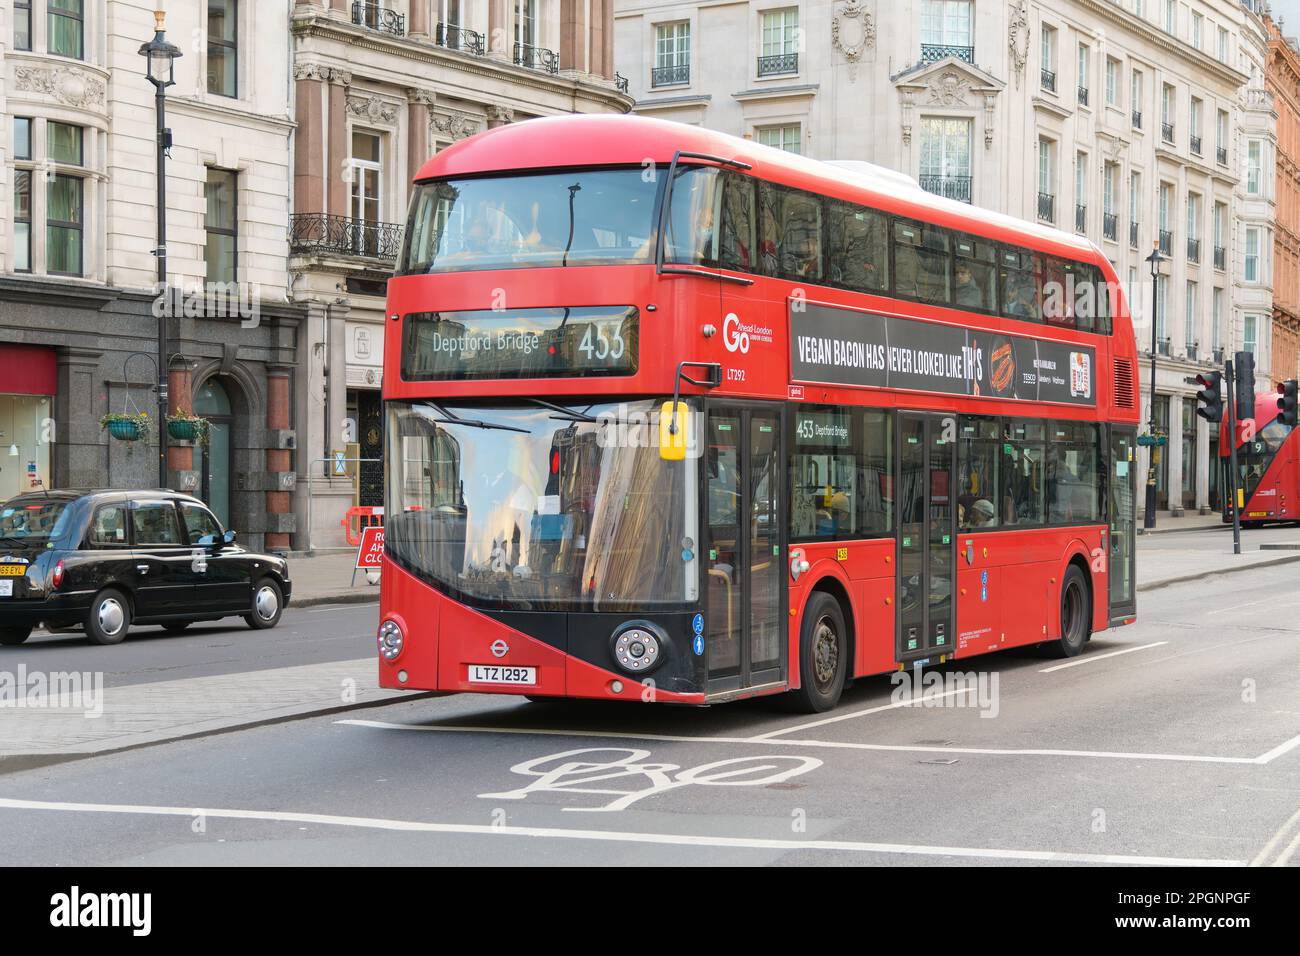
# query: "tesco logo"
{"type": "Point", "coordinates": [733, 337]}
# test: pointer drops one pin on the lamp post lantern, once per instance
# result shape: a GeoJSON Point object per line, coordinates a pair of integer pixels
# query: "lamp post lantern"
{"type": "Point", "coordinates": [1155, 260]}
{"type": "Point", "coordinates": [160, 58]}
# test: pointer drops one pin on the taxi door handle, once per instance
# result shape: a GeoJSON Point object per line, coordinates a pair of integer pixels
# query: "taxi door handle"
{"type": "Point", "coordinates": [142, 568]}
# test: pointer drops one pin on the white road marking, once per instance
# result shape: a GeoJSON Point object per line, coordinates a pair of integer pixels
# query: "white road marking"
{"type": "Point", "coordinates": [1099, 657]}
{"type": "Point", "coordinates": [832, 744]}
{"type": "Point", "coordinates": [1279, 750]}
{"type": "Point", "coordinates": [910, 702]}
{"type": "Point", "coordinates": [616, 836]}
{"type": "Point", "coordinates": [1262, 857]}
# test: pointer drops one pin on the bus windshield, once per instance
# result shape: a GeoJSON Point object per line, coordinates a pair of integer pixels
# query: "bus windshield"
{"type": "Point", "coordinates": [537, 509]}
{"type": "Point", "coordinates": [579, 217]}
{"type": "Point", "coordinates": [1254, 457]}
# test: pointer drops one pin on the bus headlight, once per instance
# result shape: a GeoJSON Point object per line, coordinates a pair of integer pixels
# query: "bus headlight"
{"type": "Point", "coordinates": [390, 641]}
{"type": "Point", "coordinates": [638, 647]}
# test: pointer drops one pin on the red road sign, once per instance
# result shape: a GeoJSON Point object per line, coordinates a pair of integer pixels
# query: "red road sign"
{"type": "Point", "coordinates": [370, 553]}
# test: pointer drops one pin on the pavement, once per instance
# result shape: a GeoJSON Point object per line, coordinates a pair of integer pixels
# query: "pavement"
{"type": "Point", "coordinates": [1172, 742]}
{"type": "Point", "coordinates": [223, 677]}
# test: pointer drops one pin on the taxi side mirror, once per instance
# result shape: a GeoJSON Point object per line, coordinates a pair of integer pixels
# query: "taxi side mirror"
{"type": "Point", "coordinates": [674, 431]}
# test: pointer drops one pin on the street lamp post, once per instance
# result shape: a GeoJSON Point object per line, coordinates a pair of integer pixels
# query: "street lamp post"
{"type": "Point", "coordinates": [160, 57]}
{"type": "Point", "coordinates": [1149, 516]}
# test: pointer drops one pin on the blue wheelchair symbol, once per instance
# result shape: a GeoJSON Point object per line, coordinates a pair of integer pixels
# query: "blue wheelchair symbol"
{"type": "Point", "coordinates": [697, 624]}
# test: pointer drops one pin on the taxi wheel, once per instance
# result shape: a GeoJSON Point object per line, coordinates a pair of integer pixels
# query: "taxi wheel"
{"type": "Point", "coordinates": [268, 605]}
{"type": "Point", "coordinates": [14, 635]}
{"type": "Point", "coordinates": [109, 617]}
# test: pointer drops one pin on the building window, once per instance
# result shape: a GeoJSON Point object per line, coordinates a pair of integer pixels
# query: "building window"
{"type": "Point", "coordinates": [526, 23]}
{"type": "Point", "coordinates": [946, 30]}
{"type": "Point", "coordinates": [1171, 16]}
{"type": "Point", "coordinates": [1047, 45]}
{"type": "Point", "coordinates": [1135, 98]}
{"type": "Point", "coordinates": [781, 137]}
{"type": "Point", "coordinates": [1109, 187]}
{"type": "Point", "coordinates": [672, 54]}
{"type": "Point", "coordinates": [1223, 44]}
{"type": "Point", "coordinates": [1190, 337]}
{"type": "Point", "coordinates": [22, 24]}
{"type": "Point", "coordinates": [223, 47]}
{"type": "Point", "coordinates": [1081, 192]}
{"type": "Point", "coordinates": [1162, 312]}
{"type": "Point", "coordinates": [1198, 21]}
{"type": "Point", "coordinates": [1046, 178]}
{"type": "Point", "coordinates": [1134, 207]}
{"type": "Point", "coordinates": [1194, 121]}
{"type": "Point", "coordinates": [780, 31]}
{"type": "Point", "coordinates": [1193, 227]}
{"type": "Point", "coordinates": [1216, 321]}
{"type": "Point", "coordinates": [365, 173]}
{"type": "Point", "coordinates": [1166, 234]}
{"type": "Point", "coordinates": [67, 28]}
{"type": "Point", "coordinates": [1252, 255]}
{"type": "Point", "coordinates": [22, 220]}
{"type": "Point", "coordinates": [22, 137]}
{"type": "Point", "coordinates": [1167, 99]}
{"type": "Point", "coordinates": [1250, 334]}
{"type": "Point", "coordinates": [1255, 167]}
{"type": "Point", "coordinates": [1112, 82]}
{"type": "Point", "coordinates": [1084, 70]}
{"type": "Point", "coordinates": [946, 156]}
{"type": "Point", "coordinates": [65, 143]}
{"type": "Point", "coordinates": [64, 220]}
{"type": "Point", "coordinates": [221, 223]}
{"type": "Point", "coordinates": [1221, 137]}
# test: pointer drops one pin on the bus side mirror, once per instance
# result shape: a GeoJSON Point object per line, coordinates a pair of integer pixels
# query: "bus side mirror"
{"type": "Point", "coordinates": [674, 426]}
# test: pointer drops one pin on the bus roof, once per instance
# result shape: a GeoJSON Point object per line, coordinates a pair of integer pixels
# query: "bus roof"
{"type": "Point", "coordinates": [621, 140]}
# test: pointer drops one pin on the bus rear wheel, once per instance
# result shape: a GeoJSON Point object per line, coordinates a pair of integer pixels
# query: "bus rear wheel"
{"type": "Point", "coordinates": [1076, 615]}
{"type": "Point", "coordinates": [823, 656]}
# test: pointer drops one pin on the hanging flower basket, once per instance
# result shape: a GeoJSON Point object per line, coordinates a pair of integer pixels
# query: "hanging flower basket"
{"type": "Point", "coordinates": [183, 426]}
{"type": "Point", "coordinates": [127, 427]}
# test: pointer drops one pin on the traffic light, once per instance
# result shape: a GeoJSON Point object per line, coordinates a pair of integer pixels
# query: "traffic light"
{"type": "Point", "coordinates": [1210, 396]}
{"type": "Point", "coordinates": [1287, 412]}
{"type": "Point", "coordinates": [1245, 371]}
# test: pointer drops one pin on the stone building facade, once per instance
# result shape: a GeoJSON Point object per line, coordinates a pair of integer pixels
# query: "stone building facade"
{"type": "Point", "coordinates": [1282, 79]}
{"type": "Point", "coordinates": [379, 88]}
{"type": "Point", "coordinates": [1133, 122]}
{"type": "Point", "coordinates": [78, 199]}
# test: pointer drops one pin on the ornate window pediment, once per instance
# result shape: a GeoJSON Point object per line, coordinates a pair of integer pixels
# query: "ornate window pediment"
{"type": "Point", "coordinates": [948, 84]}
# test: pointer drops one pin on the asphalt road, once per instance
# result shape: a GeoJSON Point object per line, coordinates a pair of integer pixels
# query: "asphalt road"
{"type": "Point", "coordinates": [1173, 740]}
{"type": "Point", "coordinates": [311, 635]}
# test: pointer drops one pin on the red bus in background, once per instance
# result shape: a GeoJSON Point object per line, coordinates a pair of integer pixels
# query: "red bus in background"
{"type": "Point", "coordinates": [675, 416]}
{"type": "Point", "coordinates": [1268, 467]}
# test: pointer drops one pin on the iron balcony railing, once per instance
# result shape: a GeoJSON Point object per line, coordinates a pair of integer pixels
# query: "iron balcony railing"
{"type": "Point", "coordinates": [537, 58]}
{"type": "Point", "coordinates": [369, 14]}
{"type": "Point", "coordinates": [621, 82]}
{"type": "Point", "coordinates": [778, 63]}
{"type": "Point", "coordinates": [1167, 132]}
{"type": "Point", "coordinates": [951, 187]}
{"type": "Point", "coordinates": [1166, 242]}
{"type": "Point", "coordinates": [1164, 347]}
{"type": "Point", "coordinates": [1221, 154]}
{"type": "Point", "coordinates": [1047, 207]}
{"type": "Point", "coordinates": [932, 52]}
{"type": "Point", "coordinates": [1083, 96]}
{"type": "Point", "coordinates": [1137, 119]}
{"type": "Point", "coordinates": [1193, 350]}
{"type": "Point", "coordinates": [1220, 258]}
{"type": "Point", "coordinates": [1080, 217]}
{"type": "Point", "coordinates": [318, 233]}
{"type": "Point", "coordinates": [674, 75]}
{"type": "Point", "coordinates": [1110, 226]}
{"type": "Point", "coordinates": [455, 37]}
{"type": "Point", "coordinates": [1195, 143]}
{"type": "Point", "coordinates": [1193, 250]}
{"type": "Point", "coordinates": [1048, 79]}
{"type": "Point", "coordinates": [1133, 235]}
{"type": "Point", "coordinates": [1216, 356]}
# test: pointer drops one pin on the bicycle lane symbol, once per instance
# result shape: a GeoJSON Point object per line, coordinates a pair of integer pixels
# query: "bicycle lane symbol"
{"type": "Point", "coordinates": [579, 772]}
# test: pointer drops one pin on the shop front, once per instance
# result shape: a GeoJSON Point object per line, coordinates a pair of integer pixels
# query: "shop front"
{"type": "Point", "coordinates": [28, 376]}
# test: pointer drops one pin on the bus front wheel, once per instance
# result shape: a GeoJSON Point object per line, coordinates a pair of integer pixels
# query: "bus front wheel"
{"type": "Point", "coordinates": [1076, 615]}
{"type": "Point", "coordinates": [823, 656]}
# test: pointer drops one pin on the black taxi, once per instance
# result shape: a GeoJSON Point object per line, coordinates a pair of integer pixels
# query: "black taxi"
{"type": "Point", "coordinates": [104, 560]}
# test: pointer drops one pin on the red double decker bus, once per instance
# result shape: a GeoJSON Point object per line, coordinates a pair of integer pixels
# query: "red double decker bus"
{"type": "Point", "coordinates": [675, 416]}
{"type": "Point", "coordinates": [1268, 466]}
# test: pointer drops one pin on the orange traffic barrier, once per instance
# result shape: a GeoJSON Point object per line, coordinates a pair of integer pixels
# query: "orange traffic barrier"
{"type": "Point", "coordinates": [358, 519]}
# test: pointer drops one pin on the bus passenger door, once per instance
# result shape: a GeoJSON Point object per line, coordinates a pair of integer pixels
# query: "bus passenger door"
{"type": "Point", "coordinates": [1123, 523]}
{"type": "Point", "coordinates": [925, 540]}
{"type": "Point", "coordinates": [745, 586]}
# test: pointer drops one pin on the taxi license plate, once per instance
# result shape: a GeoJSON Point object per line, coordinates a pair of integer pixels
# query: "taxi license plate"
{"type": "Point", "coordinates": [496, 674]}
{"type": "Point", "coordinates": [12, 570]}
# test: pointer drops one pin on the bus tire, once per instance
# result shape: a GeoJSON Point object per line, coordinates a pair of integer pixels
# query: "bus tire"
{"type": "Point", "coordinates": [823, 656]}
{"type": "Point", "coordinates": [1076, 615]}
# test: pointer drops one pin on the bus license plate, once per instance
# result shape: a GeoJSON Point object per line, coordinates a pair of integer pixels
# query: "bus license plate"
{"type": "Point", "coordinates": [494, 674]}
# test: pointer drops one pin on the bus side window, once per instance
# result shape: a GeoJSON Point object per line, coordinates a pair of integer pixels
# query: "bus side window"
{"type": "Point", "coordinates": [975, 274]}
{"type": "Point", "coordinates": [1022, 473]}
{"type": "Point", "coordinates": [921, 261]}
{"type": "Point", "coordinates": [738, 246]}
{"type": "Point", "coordinates": [978, 490]}
{"type": "Point", "coordinates": [1059, 281]}
{"type": "Point", "coordinates": [857, 256]}
{"type": "Point", "coordinates": [1019, 285]}
{"type": "Point", "coordinates": [799, 252]}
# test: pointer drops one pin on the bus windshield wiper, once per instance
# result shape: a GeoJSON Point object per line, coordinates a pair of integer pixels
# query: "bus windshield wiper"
{"type": "Point", "coordinates": [449, 419]}
{"type": "Point", "coordinates": [567, 414]}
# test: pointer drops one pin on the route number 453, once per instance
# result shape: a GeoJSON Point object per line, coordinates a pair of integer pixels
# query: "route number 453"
{"type": "Point", "coordinates": [598, 346]}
